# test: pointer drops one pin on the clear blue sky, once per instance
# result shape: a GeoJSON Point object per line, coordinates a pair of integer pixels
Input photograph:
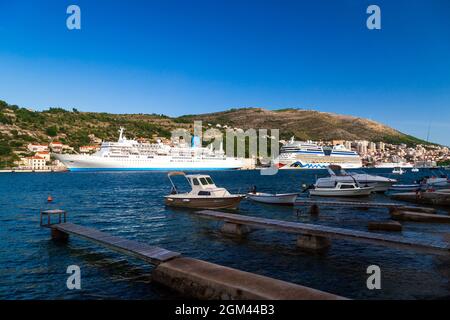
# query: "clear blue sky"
{"type": "Point", "coordinates": [192, 56]}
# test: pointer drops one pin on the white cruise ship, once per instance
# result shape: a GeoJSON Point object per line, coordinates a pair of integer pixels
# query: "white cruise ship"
{"type": "Point", "coordinates": [307, 155]}
{"type": "Point", "coordinates": [126, 154]}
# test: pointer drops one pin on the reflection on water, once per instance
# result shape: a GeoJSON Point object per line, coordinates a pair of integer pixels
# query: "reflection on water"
{"type": "Point", "coordinates": [130, 205]}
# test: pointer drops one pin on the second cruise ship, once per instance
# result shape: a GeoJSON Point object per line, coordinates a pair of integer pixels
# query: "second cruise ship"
{"type": "Point", "coordinates": [308, 155]}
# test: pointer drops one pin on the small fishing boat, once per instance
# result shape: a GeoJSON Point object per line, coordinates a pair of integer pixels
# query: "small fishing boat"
{"type": "Point", "coordinates": [341, 189]}
{"type": "Point", "coordinates": [415, 170]}
{"type": "Point", "coordinates": [204, 194]}
{"type": "Point", "coordinates": [270, 198]}
{"type": "Point", "coordinates": [337, 174]}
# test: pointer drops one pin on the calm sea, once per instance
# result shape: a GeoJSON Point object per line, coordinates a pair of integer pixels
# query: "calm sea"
{"type": "Point", "coordinates": [130, 205]}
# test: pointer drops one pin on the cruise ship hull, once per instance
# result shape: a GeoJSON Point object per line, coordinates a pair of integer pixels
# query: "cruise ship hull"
{"type": "Point", "coordinates": [316, 165]}
{"type": "Point", "coordinates": [96, 163]}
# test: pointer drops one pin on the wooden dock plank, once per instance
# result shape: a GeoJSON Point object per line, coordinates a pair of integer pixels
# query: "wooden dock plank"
{"type": "Point", "coordinates": [430, 246]}
{"type": "Point", "coordinates": [152, 254]}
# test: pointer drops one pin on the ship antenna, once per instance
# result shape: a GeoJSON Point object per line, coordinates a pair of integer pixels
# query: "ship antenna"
{"type": "Point", "coordinates": [428, 133]}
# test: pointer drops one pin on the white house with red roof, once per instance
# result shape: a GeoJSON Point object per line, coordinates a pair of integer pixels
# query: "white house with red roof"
{"type": "Point", "coordinates": [56, 146]}
{"type": "Point", "coordinates": [37, 147]}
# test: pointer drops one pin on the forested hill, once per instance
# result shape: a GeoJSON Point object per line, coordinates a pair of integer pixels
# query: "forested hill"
{"type": "Point", "coordinates": [20, 126]}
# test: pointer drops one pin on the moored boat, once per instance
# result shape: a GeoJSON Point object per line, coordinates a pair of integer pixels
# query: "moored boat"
{"type": "Point", "coordinates": [337, 174]}
{"type": "Point", "coordinates": [277, 198]}
{"type": "Point", "coordinates": [341, 189]}
{"type": "Point", "coordinates": [204, 194]}
{"type": "Point", "coordinates": [405, 187]}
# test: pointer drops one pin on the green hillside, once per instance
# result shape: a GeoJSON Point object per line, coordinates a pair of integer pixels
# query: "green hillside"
{"type": "Point", "coordinates": [20, 126]}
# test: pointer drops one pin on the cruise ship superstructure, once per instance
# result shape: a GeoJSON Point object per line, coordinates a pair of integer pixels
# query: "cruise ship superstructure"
{"type": "Point", "coordinates": [308, 155]}
{"type": "Point", "coordinates": [128, 154]}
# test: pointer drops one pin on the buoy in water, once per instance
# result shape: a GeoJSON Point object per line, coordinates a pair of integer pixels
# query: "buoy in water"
{"type": "Point", "coordinates": [49, 199]}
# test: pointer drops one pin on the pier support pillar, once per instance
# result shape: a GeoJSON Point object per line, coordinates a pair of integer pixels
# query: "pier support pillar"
{"type": "Point", "coordinates": [314, 210]}
{"type": "Point", "coordinates": [235, 229]}
{"type": "Point", "coordinates": [59, 235]}
{"type": "Point", "coordinates": [314, 243]}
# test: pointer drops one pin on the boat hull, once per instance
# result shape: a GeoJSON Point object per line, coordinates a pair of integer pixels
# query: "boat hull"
{"type": "Point", "coordinates": [161, 163]}
{"type": "Point", "coordinates": [204, 202]}
{"type": "Point", "coordinates": [278, 199]}
{"type": "Point", "coordinates": [323, 192]}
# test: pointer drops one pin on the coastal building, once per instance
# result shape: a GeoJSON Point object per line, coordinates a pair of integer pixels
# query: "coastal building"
{"type": "Point", "coordinates": [37, 147]}
{"type": "Point", "coordinates": [43, 154]}
{"type": "Point", "coordinates": [89, 149]}
{"type": "Point", "coordinates": [372, 147]}
{"type": "Point", "coordinates": [338, 142]}
{"type": "Point", "coordinates": [361, 147]}
{"type": "Point", "coordinates": [348, 145]}
{"type": "Point", "coordinates": [56, 146]}
{"type": "Point", "coordinates": [35, 163]}
{"type": "Point", "coordinates": [381, 146]}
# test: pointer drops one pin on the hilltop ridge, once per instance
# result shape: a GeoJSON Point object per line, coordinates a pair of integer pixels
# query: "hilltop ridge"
{"type": "Point", "coordinates": [21, 126]}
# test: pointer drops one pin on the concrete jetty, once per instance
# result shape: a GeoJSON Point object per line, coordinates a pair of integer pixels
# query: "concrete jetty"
{"type": "Point", "coordinates": [359, 204]}
{"type": "Point", "coordinates": [317, 237]}
{"type": "Point", "coordinates": [190, 277]}
{"type": "Point", "coordinates": [419, 216]}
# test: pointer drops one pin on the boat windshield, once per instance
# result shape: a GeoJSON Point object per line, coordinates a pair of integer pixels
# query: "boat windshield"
{"type": "Point", "coordinates": [203, 181]}
{"type": "Point", "coordinates": [209, 180]}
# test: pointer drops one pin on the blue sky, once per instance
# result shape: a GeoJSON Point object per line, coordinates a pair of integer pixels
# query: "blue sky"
{"type": "Point", "coordinates": [194, 56]}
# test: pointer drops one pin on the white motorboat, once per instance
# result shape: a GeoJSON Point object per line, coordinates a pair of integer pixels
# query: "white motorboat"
{"type": "Point", "coordinates": [438, 179]}
{"type": "Point", "coordinates": [406, 187]}
{"type": "Point", "coordinates": [270, 198]}
{"type": "Point", "coordinates": [337, 174]}
{"type": "Point", "coordinates": [392, 165]}
{"type": "Point", "coordinates": [398, 170]}
{"type": "Point", "coordinates": [415, 170]}
{"type": "Point", "coordinates": [341, 189]}
{"type": "Point", "coordinates": [204, 194]}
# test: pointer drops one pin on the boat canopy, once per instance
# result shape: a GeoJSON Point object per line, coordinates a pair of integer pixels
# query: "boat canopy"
{"type": "Point", "coordinates": [176, 173]}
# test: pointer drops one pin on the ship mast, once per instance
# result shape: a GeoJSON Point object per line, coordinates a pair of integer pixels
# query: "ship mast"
{"type": "Point", "coordinates": [121, 133]}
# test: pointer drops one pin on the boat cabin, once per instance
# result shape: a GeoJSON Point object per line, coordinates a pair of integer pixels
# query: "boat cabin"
{"type": "Point", "coordinates": [339, 186]}
{"type": "Point", "coordinates": [201, 185]}
{"type": "Point", "coordinates": [200, 181]}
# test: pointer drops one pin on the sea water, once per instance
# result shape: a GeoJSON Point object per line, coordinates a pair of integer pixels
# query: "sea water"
{"type": "Point", "coordinates": [131, 205]}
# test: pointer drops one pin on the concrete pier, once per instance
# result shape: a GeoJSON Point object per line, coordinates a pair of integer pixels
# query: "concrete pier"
{"type": "Point", "coordinates": [204, 280]}
{"type": "Point", "coordinates": [419, 216]}
{"type": "Point", "coordinates": [322, 231]}
{"type": "Point", "coordinates": [194, 278]}
{"type": "Point", "coordinates": [385, 226]}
